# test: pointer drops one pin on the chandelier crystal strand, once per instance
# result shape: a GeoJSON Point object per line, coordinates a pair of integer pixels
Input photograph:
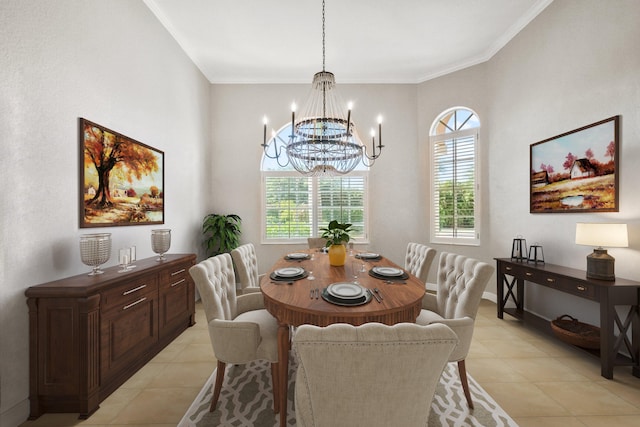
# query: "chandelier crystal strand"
{"type": "Point", "coordinates": [322, 142]}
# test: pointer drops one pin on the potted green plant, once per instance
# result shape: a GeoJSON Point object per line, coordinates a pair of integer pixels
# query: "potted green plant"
{"type": "Point", "coordinates": [221, 233]}
{"type": "Point", "coordinates": [337, 234]}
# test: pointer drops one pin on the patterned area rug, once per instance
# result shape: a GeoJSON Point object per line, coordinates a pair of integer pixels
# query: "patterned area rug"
{"type": "Point", "coordinates": [246, 400]}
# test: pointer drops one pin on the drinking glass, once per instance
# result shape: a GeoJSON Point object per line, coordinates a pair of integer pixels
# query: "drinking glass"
{"type": "Point", "coordinates": [357, 267]}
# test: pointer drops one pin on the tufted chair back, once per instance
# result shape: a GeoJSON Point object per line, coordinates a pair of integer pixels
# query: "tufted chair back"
{"type": "Point", "coordinates": [418, 260]}
{"type": "Point", "coordinates": [461, 283]}
{"type": "Point", "coordinates": [369, 375]}
{"type": "Point", "coordinates": [316, 242]}
{"type": "Point", "coordinates": [216, 283]}
{"type": "Point", "coordinates": [246, 262]}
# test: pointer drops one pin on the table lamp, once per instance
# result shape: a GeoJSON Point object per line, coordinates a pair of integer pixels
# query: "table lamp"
{"type": "Point", "coordinates": [600, 265]}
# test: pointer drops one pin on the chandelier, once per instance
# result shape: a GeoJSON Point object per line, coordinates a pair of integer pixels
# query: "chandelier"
{"type": "Point", "coordinates": [322, 141]}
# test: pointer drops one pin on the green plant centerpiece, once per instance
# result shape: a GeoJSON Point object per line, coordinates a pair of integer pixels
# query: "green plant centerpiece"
{"type": "Point", "coordinates": [221, 233]}
{"type": "Point", "coordinates": [337, 234]}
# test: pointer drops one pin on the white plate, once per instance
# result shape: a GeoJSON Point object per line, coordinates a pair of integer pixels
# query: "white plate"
{"type": "Point", "coordinates": [297, 255]}
{"type": "Point", "coordinates": [366, 255]}
{"type": "Point", "coordinates": [289, 271]}
{"type": "Point", "coordinates": [387, 271]}
{"type": "Point", "coordinates": [345, 290]}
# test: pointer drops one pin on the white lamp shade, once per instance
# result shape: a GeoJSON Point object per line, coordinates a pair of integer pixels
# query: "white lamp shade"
{"type": "Point", "coordinates": [602, 235]}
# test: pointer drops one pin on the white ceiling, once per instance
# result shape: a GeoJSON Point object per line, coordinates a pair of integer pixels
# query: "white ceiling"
{"type": "Point", "coordinates": [367, 41]}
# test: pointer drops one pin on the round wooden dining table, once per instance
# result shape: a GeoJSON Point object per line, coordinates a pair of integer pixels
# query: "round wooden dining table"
{"type": "Point", "coordinates": [298, 302]}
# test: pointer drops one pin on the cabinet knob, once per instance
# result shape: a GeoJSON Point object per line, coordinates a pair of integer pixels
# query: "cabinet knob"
{"type": "Point", "coordinates": [550, 280]}
{"type": "Point", "coordinates": [528, 273]}
{"type": "Point", "coordinates": [508, 268]}
{"type": "Point", "coordinates": [581, 288]}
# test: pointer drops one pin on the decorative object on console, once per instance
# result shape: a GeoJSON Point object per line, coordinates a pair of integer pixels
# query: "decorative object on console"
{"type": "Point", "coordinates": [322, 142]}
{"type": "Point", "coordinates": [121, 179]}
{"type": "Point", "coordinates": [576, 171]}
{"type": "Point", "coordinates": [95, 250]}
{"type": "Point", "coordinates": [519, 249]}
{"type": "Point", "coordinates": [126, 257]}
{"type": "Point", "coordinates": [161, 242]}
{"type": "Point", "coordinates": [536, 255]}
{"type": "Point", "coordinates": [601, 265]}
{"type": "Point", "coordinates": [576, 333]}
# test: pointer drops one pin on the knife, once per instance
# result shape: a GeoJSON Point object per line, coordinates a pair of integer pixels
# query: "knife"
{"type": "Point", "coordinates": [377, 291]}
{"type": "Point", "coordinates": [374, 295]}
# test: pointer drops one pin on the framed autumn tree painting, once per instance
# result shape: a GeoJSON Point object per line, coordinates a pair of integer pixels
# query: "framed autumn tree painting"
{"type": "Point", "coordinates": [121, 179]}
{"type": "Point", "coordinates": [576, 171]}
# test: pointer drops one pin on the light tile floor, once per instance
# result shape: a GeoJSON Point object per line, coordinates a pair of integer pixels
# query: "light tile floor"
{"type": "Point", "coordinates": [538, 380]}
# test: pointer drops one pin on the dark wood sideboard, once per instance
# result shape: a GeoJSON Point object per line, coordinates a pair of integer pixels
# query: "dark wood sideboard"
{"type": "Point", "coordinates": [89, 334]}
{"type": "Point", "coordinates": [614, 331]}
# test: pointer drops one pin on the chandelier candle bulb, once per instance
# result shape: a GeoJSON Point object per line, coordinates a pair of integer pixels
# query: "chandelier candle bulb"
{"type": "Point", "coordinates": [264, 121]}
{"type": "Point", "coordinates": [380, 132]}
{"type": "Point", "coordinates": [293, 120]}
{"type": "Point", "coordinates": [348, 117]}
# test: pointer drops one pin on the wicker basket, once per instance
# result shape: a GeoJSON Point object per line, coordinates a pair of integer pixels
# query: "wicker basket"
{"type": "Point", "coordinates": [577, 333]}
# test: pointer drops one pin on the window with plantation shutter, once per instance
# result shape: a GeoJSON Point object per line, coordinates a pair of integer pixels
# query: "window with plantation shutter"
{"type": "Point", "coordinates": [295, 207]}
{"type": "Point", "coordinates": [454, 195]}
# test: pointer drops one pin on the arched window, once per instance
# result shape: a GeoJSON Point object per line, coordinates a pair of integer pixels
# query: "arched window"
{"type": "Point", "coordinates": [295, 206]}
{"type": "Point", "coordinates": [454, 182]}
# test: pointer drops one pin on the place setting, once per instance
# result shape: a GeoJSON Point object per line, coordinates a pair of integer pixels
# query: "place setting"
{"type": "Point", "coordinates": [288, 274]}
{"type": "Point", "coordinates": [389, 274]}
{"type": "Point", "coordinates": [347, 294]}
{"type": "Point", "coordinates": [297, 256]}
{"type": "Point", "coordinates": [368, 256]}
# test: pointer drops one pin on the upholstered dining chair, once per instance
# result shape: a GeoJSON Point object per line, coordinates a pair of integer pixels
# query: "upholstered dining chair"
{"type": "Point", "coordinates": [418, 260]}
{"type": "Point", "coordinates": [246, 265]}
{"type": "Point", "coordinates": [460, 284]}
{"type": "Point", "coordinates": [316, 242]}
{"type": "Point", "coordinates": [241, 330]}
{"type": "Point", "coordinates": [369, 375]}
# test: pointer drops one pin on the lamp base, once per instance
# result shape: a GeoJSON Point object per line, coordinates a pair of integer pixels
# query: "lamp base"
{"type": "Point", "coordinates": [600, 265]}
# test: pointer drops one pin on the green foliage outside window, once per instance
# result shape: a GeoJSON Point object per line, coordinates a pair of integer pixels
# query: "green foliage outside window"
{"type": "Point", "coordinates": [462, 210]}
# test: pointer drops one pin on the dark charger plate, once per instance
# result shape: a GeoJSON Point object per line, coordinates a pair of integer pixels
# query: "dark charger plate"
{"type": "Point", "coordinates": [346, 302]}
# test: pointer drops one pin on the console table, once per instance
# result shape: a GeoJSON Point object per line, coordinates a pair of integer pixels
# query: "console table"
{"type": "Point", "coordinates": [512, 276]}
{"type": "Point", "coordinates": [89, 334]}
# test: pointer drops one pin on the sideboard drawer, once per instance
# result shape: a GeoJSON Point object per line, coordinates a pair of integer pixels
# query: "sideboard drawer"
{"type": "Point", "coordinates": [583, 290]}
{"type": "Point", "coordinates": [132, 292]}
{"type": "Point", "coordinates": [177, 276]}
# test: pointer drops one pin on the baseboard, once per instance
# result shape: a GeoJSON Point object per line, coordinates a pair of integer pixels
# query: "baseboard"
{"type": "Point", "coordinates": [15, 415]}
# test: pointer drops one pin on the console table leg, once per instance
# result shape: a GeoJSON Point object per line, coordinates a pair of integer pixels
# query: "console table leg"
{"type": "Point", "coordinates": [500, 294]}
{"type": "Point", "coordinates": [606, 337]}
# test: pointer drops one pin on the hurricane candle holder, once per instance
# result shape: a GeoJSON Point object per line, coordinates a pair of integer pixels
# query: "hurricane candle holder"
{"type": "Point", "coordinates": [160, 242]}
{"type": "Point", "coordinates": [95, 250]}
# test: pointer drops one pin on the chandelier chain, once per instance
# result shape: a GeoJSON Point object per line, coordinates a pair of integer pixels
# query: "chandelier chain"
{"type": "Point", "coordinates": [323, 41]}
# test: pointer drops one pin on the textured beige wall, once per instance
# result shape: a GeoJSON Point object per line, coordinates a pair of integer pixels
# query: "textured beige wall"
{"type": "Point", "coordinates": [114, 64]}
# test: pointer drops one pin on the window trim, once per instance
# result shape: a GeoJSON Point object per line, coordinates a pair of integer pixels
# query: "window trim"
{"type": "Point", "coordinates": [433, 139]}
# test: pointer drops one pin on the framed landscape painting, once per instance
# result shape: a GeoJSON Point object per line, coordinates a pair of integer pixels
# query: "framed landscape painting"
{"type": "Point", "coordinates": [121, 179]}
{"type": "Point", "coordinates": [576, 171]}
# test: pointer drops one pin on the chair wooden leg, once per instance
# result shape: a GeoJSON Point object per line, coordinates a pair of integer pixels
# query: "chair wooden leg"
{"type": "Point", "coordinates": [275, 387]}
{"type": "Point", "coordinates": [218, 385]}
{"type": "Point", "coordinates": [462, 370]}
